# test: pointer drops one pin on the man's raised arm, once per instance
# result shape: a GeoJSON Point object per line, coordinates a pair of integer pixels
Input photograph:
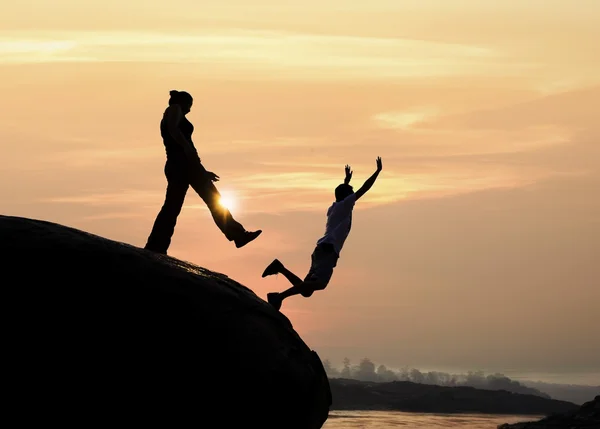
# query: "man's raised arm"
{"type": "Point", "coordinates": [370, 181]}
{"type": "Point", "coordinates": [348, 174]}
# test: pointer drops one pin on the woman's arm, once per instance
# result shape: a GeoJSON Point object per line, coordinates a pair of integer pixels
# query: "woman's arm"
{"type": "Point", "coordinates": [173, 115]}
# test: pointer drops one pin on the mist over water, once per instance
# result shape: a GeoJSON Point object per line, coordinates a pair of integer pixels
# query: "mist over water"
{"type": "Point", "coordinates": [392, 419]}
{"type": "Point", "coordinates": [367, 370]}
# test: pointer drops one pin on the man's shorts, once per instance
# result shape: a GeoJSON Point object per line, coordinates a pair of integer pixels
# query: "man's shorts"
{"type": "Point", "coordinates": [323, 261]}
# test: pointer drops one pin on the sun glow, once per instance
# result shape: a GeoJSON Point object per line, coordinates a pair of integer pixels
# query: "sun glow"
{"type": "Point", "coordinates": [227, 201]}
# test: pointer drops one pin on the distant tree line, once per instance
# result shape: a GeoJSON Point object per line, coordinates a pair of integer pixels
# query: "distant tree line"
{"type": "Point", "coordinates": [366, 370]}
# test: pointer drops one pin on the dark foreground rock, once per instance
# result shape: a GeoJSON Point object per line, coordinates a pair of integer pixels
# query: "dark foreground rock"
{"type": "Point", "coordinates": [425, 398]}
{"type": "Point", "coordinates": [98, 331]}
{"type": "Point", "coordinates": [585, 417]}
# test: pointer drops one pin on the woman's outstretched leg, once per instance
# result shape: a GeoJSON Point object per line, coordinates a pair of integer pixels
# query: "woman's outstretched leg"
{"type": "Point", "coordinates": [232, 229]}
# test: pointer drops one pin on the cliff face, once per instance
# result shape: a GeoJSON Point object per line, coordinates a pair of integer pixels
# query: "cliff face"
{"type": "Point", "coordinates": [101, 331]}
{"type": "Point", "coordinates": [585, 417]}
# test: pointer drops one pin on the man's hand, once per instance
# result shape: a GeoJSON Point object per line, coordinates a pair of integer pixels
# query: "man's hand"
{"type": "Point", "coordinates": [212, 176]}
{"type": "Point", "coordinates": [379, 166]}
{"type": "Point", "coordinates": [348, 174]}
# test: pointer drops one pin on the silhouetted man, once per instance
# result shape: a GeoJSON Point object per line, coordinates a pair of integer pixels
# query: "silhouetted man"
{"type": "Point", "coordinates": [327, 251]}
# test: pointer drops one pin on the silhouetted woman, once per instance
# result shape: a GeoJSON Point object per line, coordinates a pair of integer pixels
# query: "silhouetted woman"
{"type": "Point", "coordinates": [183, 169]}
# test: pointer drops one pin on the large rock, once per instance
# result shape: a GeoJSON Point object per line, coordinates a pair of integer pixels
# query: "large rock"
{"type": "Point", "coordinates": [101, 331]}
{"type": "Point", "coordinates": [585, 417]}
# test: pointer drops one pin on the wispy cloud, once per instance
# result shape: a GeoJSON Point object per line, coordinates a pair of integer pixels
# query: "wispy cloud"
{"type": "Point", "coordinates": [404, 120]}
{"type": "Point", "coordinates": [290, 180]}
{"type": "Point", "coordinates": [254, 145]}
{"type": "Point", "coordinates": [86, 158]}
{"type": "Point", "coordinates": [281, 192]}
{"type": "Point", "coordinates": [111, 199]}
{"type": "Point", "coordinates": [445, 136]}
{"type": "Point", "coordinates": [116, 215]}
{"type": "Point", "coordinates": [285, 53]}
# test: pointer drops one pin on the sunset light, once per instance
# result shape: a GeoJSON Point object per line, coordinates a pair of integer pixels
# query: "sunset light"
{"type": "Point", "coordinates": [228, 201]}
{"type": "Point", "coordinates": [478, 246]}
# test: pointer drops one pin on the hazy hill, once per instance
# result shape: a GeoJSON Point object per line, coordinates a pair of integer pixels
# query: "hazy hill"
{"type": "Point", "coordinates": [416, 397]}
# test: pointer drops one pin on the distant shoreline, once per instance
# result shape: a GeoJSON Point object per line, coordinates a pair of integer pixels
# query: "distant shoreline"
{"type": "Point", "coordinates": [406, 396]}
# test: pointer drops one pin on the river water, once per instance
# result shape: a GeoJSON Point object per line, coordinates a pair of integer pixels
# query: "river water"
{"type": "Point", "coordinates": [392, 419]}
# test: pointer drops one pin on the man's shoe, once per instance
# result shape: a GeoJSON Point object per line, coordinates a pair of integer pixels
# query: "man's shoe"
{"type": "Point", "coordinates": [246, 238]}
{"type": "Point", "coordinates": [273, 268]}
{"type": "Point", "coordinates": [274, 300]}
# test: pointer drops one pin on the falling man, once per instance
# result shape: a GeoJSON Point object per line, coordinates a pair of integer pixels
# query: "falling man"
{"type": "Point", "coordinates": [327, 251]}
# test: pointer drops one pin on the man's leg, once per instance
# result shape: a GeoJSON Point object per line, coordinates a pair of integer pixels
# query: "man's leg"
{"type": "Point", "coordinates": [276, 267]}
{"type": "Point", "coordinates": [321, 270]}
{"type": "Point", "coordinates": [232, 229]}
{"type": "Point", "coordinates": [164, 225]}
{"type": "Point", "coordinates": [305, 288]}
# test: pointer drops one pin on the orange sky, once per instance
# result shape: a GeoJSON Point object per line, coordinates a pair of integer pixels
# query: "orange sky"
{"type": "Point", "coordinates": [478, 247]}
